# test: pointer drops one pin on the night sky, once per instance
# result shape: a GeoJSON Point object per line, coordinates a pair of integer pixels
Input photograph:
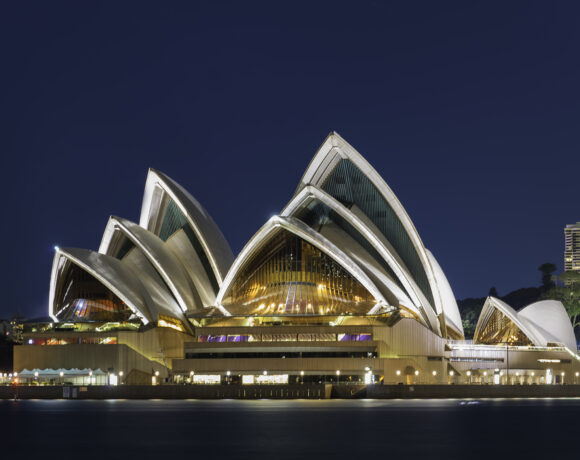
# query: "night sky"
{"type": "Point", "coordinates": [470, 112]}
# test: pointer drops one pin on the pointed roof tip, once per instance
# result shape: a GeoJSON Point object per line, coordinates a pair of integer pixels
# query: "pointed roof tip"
{"type": "Point", "coordinates": [337, 140]}
{"type": "Point", "coordinates": [333, 134]}
{"type": "Point", "coordinates": [120, 219]}
{"type": "Point", "coordinates": [164, 177]}
{"type": "Point", "coordinates": [154, 171]}
{"type": "Point", "coordinates": [158, 173]}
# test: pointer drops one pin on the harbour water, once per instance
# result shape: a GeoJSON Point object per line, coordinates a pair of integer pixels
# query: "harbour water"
{"type": "Point", "coordinates": [268, 429]}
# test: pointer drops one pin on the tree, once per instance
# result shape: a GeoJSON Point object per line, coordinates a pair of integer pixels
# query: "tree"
{"type": "Point", "coordinates": [547, 269]}
{"type": "Point", "coordinates": [568, 294]}
{"type": "Point", "coordinates": [493, 292]}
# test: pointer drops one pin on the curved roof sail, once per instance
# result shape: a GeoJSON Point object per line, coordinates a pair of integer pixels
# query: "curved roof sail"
{"type": "Point", "coordinates": [122, 235]}
{"type": "Point", "coordinates": [168, 208]}
{"type": "Point", "coordinates": [450, 308]}
{"type": "Point", "coordinates": [541, 324]}
{"type": "Point", "coordinates": [551, 320]}
{"type": "Point", "coordinates": [321, 211]}
{"type": "Point", "coordinates": [339, 170]}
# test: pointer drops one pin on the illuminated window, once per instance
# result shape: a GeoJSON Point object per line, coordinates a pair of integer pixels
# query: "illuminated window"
{"type": "Point", "coordinates": [172, 323]}
{"type": "Point", "coordinates": [211, 379]}
{"type": "Point", "coordinates": [289, 276]}
{"type": "Point", "coordinates": [501, 329]}
{"type": "Point", "coordinates": [87, 299]}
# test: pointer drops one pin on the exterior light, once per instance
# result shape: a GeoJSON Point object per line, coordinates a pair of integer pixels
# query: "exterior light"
{"type": "Point", "coordinates": [156, 373]}
{"type": "Point", "coordinates": [434, 373]}
{"type": "Point", "coordinates": [191, 373]}
{"type": "Point", "coordinates": [56, 248]}
{"type": "Point", "coordinates": [61, 374]}
{"type": "Point", "coordinates": [468, 373]}
{"type": "Point", "coordinates": [563, 374]}
{"type": "Point", "coordinates": [228, 373]}
{"type": "Point", "coordinates": [577, 374]}
{"type": "Point", "coordinates": [416, 372]}
{"type": "Point", "coordinates": [16, 374]}
{"type": "Point", "coordinates": [451, 373]}
{"type": "Point", "coordinates": [367, 368]}
{"type": "Point", "coordinates": [90, 373]}
{"type": "Point", "coordinates": [485, 374]}
{"type": "Point", "coordinates": [35, 374]}
{"type": "Point", "coordinates": [120, 373]}
{"type": "Point", "coordinates": [517, 374]}
{"type": "Point", "coordinates": [302, 373]}
{"type": "Point", "coordinates": [265, 372]}
{"type": "Point", "coordinates": [337, 372]}
{"type": "Point", "coordinates": [398, 372]}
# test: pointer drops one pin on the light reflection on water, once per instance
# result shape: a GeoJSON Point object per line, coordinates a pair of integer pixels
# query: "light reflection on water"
{"type": "Point", "coordinates": [278, 429]}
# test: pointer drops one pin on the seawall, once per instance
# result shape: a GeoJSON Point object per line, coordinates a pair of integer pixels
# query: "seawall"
{"type": "Point", "coordinates": [317, 391]}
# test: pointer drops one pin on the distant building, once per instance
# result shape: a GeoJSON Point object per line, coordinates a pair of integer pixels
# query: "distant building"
{"type": "Point", "coordinates": [11, 330]}
{"type": "Point", "coordinates": [572, 247]}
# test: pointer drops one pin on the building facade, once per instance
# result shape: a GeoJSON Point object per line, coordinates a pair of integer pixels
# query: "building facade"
{"type": "Point", "coordinates": [338, 287]}
{"type": "Point", "coordinates": [572, 247]}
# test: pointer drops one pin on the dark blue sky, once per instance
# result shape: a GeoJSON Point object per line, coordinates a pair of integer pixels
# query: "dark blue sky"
{"type": "Point", "coordinates": [470, 112]}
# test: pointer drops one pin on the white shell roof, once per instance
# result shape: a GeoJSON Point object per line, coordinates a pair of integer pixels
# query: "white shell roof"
{"type": "Point", "coordinates": [328, 156]}
{"type": "Point", "coordinates": [379, 243]}
{"type": "Point", "coordinates": [551, 320]}
{"type": "Point", "coordinates": [334, 149]}
{"type": "Point", "coordinates": [160, 257]}
{"type": "Point", "coordinates": [542, 322]}
{"type": "Point", "coordinates": [207, 232]}
{"type": "Point", "coordinates": [450, 308]}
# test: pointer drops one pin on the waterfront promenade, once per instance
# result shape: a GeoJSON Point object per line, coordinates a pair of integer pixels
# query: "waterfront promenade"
{"type": "Point", "coordinates": [306, 391]}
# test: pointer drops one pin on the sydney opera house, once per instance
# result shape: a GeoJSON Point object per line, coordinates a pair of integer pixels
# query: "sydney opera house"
{"type": "Point", "coordinates": [338, 287]}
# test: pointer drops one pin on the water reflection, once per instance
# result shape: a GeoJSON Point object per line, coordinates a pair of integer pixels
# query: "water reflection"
{"type": "Point", "coordinates": [445, 428]}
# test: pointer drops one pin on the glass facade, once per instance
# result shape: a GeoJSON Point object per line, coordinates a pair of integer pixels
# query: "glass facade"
{"type": "Point", "coordinates": [318, 214]}
{"type": "Point", "coordinates": [172, 323]}
{"type": "Point", "coordinates": [291, 277]}
{"type": "Point", "coordinates": [72, 341]}
{"type": "Point", "coordinates": [352, 187]}
{"type": "Point", "coordinates": [320, 337]}
{"type": "Point", "coordinates": [124, 249]}
{"type": "Point", "coordinates": [173, 221]}
{"type": "Point", "coordinates": [501, 330]}
{"type": "Point", "coordinates": [87, 299]}
{"type": "Point", "coordinates": [280, 354]}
